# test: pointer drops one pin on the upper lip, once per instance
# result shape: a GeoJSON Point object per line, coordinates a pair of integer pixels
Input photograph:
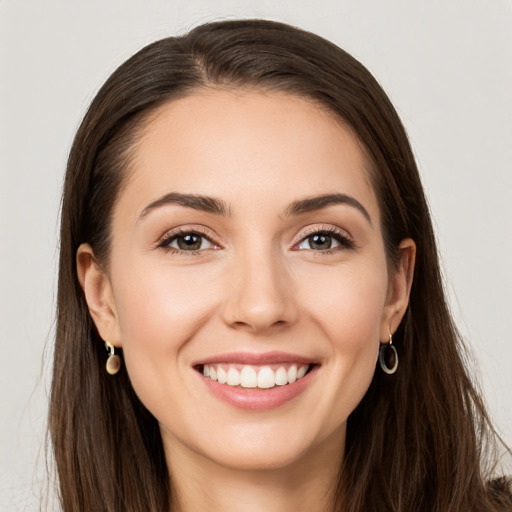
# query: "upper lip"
{"type": "Point", "coordinates": [250, 358]}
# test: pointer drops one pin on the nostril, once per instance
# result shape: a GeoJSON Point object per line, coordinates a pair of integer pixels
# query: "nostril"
{"type": "Point", "coordinates": [252, 326]}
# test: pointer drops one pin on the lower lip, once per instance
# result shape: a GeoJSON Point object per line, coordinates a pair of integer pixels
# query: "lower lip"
{"type": "Point", "coordinates": [255, 399]}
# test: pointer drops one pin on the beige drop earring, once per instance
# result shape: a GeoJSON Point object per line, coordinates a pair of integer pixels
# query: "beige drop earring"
{"type": "Point", "coordinates": [388, 357]}
{"type": "Point", "coordinates": [114, 361]}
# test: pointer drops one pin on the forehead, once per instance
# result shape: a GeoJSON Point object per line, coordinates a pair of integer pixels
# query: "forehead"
{"type": "Point", "coordinates": [238, 143]}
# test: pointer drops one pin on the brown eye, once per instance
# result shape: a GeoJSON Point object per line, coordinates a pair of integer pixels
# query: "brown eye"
{"type": "Point", "coordinates": [189, 242]}
{"type": "Point", "coordinates": [319, 242]}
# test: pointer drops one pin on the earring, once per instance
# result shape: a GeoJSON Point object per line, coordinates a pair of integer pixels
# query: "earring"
{"type": "Point", "coordinates": [114, 361]}
{"type": "Point", "coordinates": [388, 357]}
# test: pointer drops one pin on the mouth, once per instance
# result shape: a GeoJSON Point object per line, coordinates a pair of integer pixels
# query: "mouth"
{"type": "Point", "coordinates": [255, 376]}
{"type": "Point", "coordinates": [256, 382]}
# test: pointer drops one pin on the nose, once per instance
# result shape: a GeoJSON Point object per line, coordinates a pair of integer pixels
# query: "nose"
{"type": "Point", "coordinates": [260, 293]}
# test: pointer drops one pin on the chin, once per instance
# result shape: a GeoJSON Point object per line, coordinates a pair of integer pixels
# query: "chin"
{"type": "Point", "coordinates": [270, 447]}
{"type": "Point", "coordinates": [248, 459]}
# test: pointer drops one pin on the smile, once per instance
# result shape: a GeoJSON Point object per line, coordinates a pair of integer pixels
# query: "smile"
{"type": "Point", "coordinates": [257, 382]}
{"type": "Point", "coordinates": [250, 376]}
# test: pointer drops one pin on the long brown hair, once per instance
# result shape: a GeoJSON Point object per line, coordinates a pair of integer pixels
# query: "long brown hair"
{"type": "Point", "coordinates": [417, 441]}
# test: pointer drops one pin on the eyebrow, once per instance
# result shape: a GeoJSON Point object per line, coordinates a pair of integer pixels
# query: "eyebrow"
{"type": "Point", "coordinates": [197, 202]}
{"type": "Point", "coordinates": [219, 207]}
{"type": "Point", "coordinates": [318, 202]}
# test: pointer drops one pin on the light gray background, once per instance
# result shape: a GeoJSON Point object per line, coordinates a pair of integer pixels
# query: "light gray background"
{"type": "Point", "coordinates": [447, 67]}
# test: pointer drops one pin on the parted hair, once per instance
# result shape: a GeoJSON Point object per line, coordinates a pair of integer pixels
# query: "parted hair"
{"type": "Point", "coordinates": [420, 440]}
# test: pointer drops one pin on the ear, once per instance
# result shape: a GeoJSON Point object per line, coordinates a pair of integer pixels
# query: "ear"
{"type": "Point", "coordinates": [98, 294]}
{"type": "Point", "coordinates": [399, 288]}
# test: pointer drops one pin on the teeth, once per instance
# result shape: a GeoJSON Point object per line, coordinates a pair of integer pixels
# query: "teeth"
{"type": "Point", "coordinates": [251, 377]}
{"type": "Point", "coordinates": [221, 375]}
{"type": "Point", "coordinates": [282, 376]}
{"type": "Point", "coordinates": [302, 371]}
{"type": "Point", "coordinates": [248, 377]}
{"type": "Point", "coordinates": [233, 377]}
{"type": "Point", "coordinates": [266, 378]}
{"type": "Point", "coordinates": [292, 374]}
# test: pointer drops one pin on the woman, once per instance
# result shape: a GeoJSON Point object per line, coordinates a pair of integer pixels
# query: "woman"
{"type": "Point", "coordinates": [250, 308]}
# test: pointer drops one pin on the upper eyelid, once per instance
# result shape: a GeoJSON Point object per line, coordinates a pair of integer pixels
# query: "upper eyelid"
{"type": "Point", "coordinates": [322, 228]}
{"type": "Point", "coordinates": [345, 238]}
{"type": "Point", "coordinates": [183, 230]}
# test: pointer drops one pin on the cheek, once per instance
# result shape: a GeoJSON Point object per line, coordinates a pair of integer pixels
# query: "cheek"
{"type": "Point", "coordinates": [350, 315]}
{"type": "Point", "coordinates": [351, 305]}
{"type": "Point", "coordinates": [154, 301]}
{"type": "Point", "coordinates": [158, 312]}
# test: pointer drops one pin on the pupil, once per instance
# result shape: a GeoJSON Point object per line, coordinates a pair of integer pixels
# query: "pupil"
{"type": "Point", "coordinates": [321, 242]}
{"type": "Point", "coordinates": [187, 242]}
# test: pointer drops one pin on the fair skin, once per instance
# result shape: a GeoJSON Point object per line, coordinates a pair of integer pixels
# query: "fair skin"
{"type": "Point", "coordinates": [257, 278]}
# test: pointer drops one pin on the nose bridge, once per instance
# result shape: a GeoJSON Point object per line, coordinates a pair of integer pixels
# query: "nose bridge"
{"type": "Point", "coordinates": [261, 295]}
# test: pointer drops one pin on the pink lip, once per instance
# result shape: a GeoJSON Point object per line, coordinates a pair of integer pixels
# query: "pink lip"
{"type": "Point", "coordinates": [254, 399]}
{"type": "Point", "coordinates": [255, 359]}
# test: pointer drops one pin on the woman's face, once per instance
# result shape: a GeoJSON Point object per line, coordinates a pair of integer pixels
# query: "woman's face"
{"type": "Point", "coordinates": [247, 240]}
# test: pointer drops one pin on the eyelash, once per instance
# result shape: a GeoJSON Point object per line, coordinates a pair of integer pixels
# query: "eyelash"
{"type": "Point", "coordinates": [168, 238]}
{"type": "Point", "coordinates": [340, 236]}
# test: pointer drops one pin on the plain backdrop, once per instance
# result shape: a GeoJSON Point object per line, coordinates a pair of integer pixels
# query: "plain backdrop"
{"type": "Point", "coordinates": [447, 66]}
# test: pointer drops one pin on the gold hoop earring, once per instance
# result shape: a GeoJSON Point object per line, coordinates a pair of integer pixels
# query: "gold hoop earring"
{"type": "Point", "coordinates": [388, 357]}
{"type": "Point", "coordinates": [114, 361]}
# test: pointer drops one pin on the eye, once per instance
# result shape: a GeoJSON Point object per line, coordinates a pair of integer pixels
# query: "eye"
{"type": "Point", "coordinates": [319, 242]}
{"type": "Point", "coordinates": [187, 241]}
{"type": "Point", "coordinates": [324, 240]}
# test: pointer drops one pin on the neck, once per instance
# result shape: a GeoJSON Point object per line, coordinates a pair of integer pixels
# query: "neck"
{"type": "Point", "coordinates": [309, 483]}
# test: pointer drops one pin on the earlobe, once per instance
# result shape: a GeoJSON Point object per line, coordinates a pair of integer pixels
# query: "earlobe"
{"type": "Point", "coordinates": [98, 294]}
{"type": "Point", "coordinates": [399, 289]}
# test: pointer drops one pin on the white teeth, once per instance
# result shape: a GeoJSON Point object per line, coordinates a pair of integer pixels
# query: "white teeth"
{"type": "Point", "coordinates": [248, 378]}
{"type": "Point", "coordinates": [281, 376]}
{"type": "Point", "coordinates": [266, 378]}
{"type": "Point", "coordinates": [292, 374]}
{"type": "Point", "coordinates": [302, 371]}
{"type": "Point", "coordinates": [233, 377]}
{"type": "Point", "coordinates": [252, 377]}
{"type": "Point", "coordinates": [221, 375]}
